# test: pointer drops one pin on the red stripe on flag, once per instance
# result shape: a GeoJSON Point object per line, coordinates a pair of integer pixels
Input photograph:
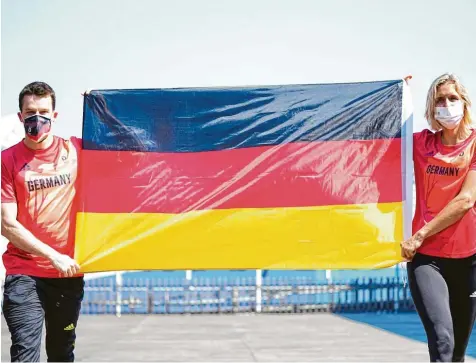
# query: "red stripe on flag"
{"type": "Point", "coordinates": [288, 175]}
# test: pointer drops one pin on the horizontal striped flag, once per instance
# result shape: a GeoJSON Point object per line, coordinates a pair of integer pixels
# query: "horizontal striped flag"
{"type": "Point", "coordinates": [273, 177]}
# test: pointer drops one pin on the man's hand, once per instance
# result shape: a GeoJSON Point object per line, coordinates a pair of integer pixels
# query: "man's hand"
{"type": "Point", "coordinates": [64, 264]}
{"type": "Point", "coordinates": [410, 246]}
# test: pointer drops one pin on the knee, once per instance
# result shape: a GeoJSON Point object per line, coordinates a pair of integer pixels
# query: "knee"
{"type": "Point", "coordinates": [63, 354]}
{"type": "Point", "coordinates": [445, 342]}
{"type": "Point", "coordinates": [26, 352]}
{"type": "Point", "coordinates": [60, 350]}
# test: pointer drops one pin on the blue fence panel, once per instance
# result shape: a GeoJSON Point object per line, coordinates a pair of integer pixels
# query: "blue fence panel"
{"type": "Point", "coordinates": [138, 294]}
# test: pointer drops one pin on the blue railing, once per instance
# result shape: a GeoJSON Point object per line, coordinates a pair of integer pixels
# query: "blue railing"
{"type": "Point", "coordinates": [221, 295]}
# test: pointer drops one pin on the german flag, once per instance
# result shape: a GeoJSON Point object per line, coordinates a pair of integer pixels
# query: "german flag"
{"type": "Point", "coordinates": [275, 177]}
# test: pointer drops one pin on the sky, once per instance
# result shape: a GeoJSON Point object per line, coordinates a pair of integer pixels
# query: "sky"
{"type": "Point", "coordinates": [99, 44]}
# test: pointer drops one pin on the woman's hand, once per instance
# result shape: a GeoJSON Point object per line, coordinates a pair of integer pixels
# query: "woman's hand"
{"type": "Point", "coordinates": [411, 245]}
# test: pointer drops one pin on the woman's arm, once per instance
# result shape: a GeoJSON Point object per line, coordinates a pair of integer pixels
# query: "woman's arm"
{"type": "Point", "coordinates": [452, 213]}
{"type": "Point", "coordinates": [455, 210]}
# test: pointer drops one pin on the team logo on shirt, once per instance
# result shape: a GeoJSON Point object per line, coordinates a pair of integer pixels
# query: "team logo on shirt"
{"type": "Point", "coordinates": [442, 170]}
{"type": "Point", "coordinates": [48, 182]}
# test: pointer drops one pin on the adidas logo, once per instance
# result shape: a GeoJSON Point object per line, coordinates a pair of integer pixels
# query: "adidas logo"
{"type": "Point", "coordinates": [473, 294]}
{"type": "Point", "coordinates": [69, 327]}
{"type": "Point", "coordinates": [25, 167]}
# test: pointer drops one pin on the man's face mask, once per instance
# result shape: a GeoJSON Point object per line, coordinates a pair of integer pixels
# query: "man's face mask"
{"type": "Point", "coordinates": [37, 126]}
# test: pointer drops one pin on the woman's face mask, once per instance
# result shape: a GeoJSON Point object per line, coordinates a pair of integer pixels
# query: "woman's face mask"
{"type": "Point", "coordinates": [450, 116]}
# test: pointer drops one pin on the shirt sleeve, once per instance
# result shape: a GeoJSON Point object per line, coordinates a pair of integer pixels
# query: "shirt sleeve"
{"type": "Point", "coordinates": [8, 184]}
{"type": "Point", "coordinates": [77, 142]}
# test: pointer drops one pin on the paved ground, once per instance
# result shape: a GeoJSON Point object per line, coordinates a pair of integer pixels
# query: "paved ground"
{"type": "Point", "coordinates": [207, 338]}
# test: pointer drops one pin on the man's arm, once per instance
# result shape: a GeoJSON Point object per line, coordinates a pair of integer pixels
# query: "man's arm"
{"type": "Point", "coordinates": [23, 239]}
{"type": "Point", "coordinates": [20, 236]}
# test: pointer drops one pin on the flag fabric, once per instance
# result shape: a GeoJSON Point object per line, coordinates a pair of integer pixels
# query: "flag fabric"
{"type": "Point", "coordinates": [274, 177]}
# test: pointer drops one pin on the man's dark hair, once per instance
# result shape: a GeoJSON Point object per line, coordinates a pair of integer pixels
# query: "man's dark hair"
{"type": "Point", "coordinates": [38, 89]}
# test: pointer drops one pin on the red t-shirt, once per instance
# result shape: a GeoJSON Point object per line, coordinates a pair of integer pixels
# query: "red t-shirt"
{"type": "Point", "coordinates": [43, 185]}
{"type": "Point", "coordinates": [440, 172]}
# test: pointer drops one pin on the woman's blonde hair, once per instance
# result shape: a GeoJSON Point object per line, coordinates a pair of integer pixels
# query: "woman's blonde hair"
{"type": "Point", "coordinates": [431, 101]}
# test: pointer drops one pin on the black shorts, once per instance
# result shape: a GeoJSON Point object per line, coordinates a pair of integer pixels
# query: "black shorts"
{"type": "Point", "coordinates": [28, 301]}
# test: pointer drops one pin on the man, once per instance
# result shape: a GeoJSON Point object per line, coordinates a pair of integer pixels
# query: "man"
{"type": "Point", "coordinates": [38, 214]}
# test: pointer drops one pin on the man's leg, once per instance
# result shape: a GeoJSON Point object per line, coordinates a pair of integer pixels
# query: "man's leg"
{"type": "Point", "coordinates": [24, 314]}
{"type": "Point", "coordinates": [62, 308]}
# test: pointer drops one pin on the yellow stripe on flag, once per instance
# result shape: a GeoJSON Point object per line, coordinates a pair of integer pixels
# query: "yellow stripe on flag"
{"type": "Point", "coordinates": [325, 237]}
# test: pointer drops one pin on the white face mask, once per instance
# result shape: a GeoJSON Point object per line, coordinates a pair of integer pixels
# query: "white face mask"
{"type": "Point", "coordinates": [450, 116]}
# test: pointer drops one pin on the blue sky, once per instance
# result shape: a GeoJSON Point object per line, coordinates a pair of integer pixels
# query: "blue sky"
{"type": "Point", "coordinates": [76, 45]}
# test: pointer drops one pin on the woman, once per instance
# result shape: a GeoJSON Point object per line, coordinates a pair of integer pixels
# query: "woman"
{"type": "Point", "coordinates": [442, 251]}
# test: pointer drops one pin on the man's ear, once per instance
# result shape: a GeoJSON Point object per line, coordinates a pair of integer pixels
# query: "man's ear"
{"type": "Point", "coordinates": [55, 115]}
{"type": "Point", "coordinates": [19, 116]}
